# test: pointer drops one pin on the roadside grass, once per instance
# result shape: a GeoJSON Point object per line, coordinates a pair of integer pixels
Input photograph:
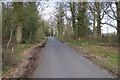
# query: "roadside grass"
{"type": "Point", "coordinates": [110, 58]}
{"type": "Point", "coordinates": [105, 56]}
{"type": "Point", "coordinates": [13, 56]}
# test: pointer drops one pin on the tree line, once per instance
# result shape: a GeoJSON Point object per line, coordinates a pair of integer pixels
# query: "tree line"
{"type": "Point", "coordinates": [86, 14]}
{"type": "Point", "coordinates": [22, 21]}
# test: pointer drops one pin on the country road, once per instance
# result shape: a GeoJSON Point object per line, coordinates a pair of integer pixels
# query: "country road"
{"type": "Point", "coordinates": [61, 61]}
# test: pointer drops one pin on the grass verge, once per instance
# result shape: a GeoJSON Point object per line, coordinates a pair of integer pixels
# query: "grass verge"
{"type": "Point", "coordinates": [105, 57]}
{"type": "Point", "coordinates": [16, 58]}
{"type": "Point", "coordinates": [13, 57]}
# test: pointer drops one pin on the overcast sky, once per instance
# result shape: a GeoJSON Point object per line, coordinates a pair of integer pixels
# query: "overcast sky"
{"type": "Point", "coordinates": [49, 12]}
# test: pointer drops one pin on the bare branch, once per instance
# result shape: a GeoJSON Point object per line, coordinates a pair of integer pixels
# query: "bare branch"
{"type": "Point", "coordinates": [104, 12]}
{"type": "Point", "coordinates": [110, 25]}
{"type": "Point", "coordinates": [113, 12]}
{"type": "Point", "coordinates": [108, 14]}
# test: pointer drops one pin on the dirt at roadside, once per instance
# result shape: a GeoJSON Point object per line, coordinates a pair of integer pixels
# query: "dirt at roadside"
{"type": "Point", "coordinates": [26, 68]}
{"type": "Point", "coordinates": [92, 57]}
{"type": "Point", "coordinates": [83, 52]}
{"type": "Point", "coordinates": [33, 60]}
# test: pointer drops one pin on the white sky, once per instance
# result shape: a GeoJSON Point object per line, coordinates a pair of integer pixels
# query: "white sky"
{"type": "Point", "coordinates": [49, 11]}
{"type": "Point", "coordinates": [48, 14]}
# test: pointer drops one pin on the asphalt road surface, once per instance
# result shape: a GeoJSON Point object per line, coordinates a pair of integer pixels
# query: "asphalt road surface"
{"type": "Point", "coordinates": [61, 61]}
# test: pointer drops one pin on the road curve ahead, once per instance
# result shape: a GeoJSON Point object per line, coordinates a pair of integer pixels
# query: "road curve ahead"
{"type": "Point", "coordinates": [61, 61]}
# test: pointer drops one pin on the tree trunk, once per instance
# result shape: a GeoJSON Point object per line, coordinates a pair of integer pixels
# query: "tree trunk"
{"type": "Point", "coordinates": [98, 20]}
{"type": "Point", "coordinates": [118, 31]}
{"type": "Point", "coordinates": [94, 28]}
{"type": "Point", "coordinates": [72, 7]}
{"type": "Point", "coordinates": [19, 33]}
{"type": "Point", "coordinates": [10, 38]}
{"type": "Point", "coordinates": [75, 33]}
{"type": "Point", "coordinates": [118, 20]}
{"type": "Point", "coordinates": [4, 32]}
{"type": "Point", "coordinates": [4, 16]}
